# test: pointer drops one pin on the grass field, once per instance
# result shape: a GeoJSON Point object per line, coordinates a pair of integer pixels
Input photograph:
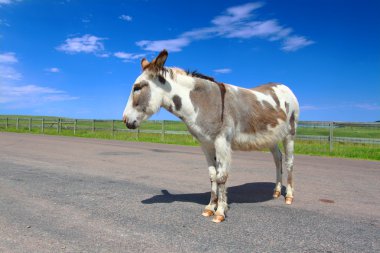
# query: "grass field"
{"type": "Point", "coordinates": [103, 129]}
{"type": "Point", "coordinates": [348, 131]}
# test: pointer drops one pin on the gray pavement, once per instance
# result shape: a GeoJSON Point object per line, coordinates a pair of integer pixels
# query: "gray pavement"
{"type": "Point", "coordinates": [64, 194]}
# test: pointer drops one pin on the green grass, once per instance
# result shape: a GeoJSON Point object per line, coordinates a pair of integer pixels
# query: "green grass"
{"type": "Point", "coordinates": [356, 132]}
{"type": "Point", "coordinates": [346, 150]}
{"type": "Point", "coordinates": [102, 130]}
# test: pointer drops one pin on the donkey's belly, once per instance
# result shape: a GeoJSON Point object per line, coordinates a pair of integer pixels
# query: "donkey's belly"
{"type": "Point", "coordinates": [259, 140]}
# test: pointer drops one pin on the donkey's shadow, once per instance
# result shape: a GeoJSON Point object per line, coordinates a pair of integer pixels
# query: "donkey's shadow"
{"type": "Point", "coordinates": [246, 193]}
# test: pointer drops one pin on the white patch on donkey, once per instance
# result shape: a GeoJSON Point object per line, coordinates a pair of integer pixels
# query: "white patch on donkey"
{"type": "Point", "coordinates": [222, 117]}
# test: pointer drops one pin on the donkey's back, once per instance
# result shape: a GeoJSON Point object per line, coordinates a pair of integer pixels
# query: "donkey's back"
{"type": "Point", "coordinates": [263, 116]}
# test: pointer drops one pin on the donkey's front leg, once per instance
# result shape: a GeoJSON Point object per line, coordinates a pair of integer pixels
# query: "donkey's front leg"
{"type": "Point", "coordinates": [223, 161]}
{"type": "Point", "coordinates": [209, 152]}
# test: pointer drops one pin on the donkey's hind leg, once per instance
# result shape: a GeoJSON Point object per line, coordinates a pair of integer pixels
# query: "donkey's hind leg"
{"type": "Point", "coordinates": [289, 156]}
{"type": "Point", "coordinates": [277, 156]}
{"type": "Point", "coordinates": [211, 162]}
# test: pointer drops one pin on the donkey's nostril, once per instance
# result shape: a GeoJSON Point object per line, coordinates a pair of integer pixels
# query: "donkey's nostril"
{"type": "Point", "coordinates": [132, 125]}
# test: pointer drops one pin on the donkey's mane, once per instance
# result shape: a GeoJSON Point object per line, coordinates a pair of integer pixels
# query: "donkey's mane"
{"type": "Point", "coordinates": [163, 71]}
{"type": "Point", "coordinates": [200, 75]}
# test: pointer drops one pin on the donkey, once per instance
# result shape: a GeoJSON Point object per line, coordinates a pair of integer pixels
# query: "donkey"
{"type": "Point", "coordinates": [222, 118]}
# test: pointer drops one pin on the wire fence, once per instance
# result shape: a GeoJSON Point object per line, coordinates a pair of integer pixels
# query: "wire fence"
{"type": "Point", "coordinates": [346, 139]}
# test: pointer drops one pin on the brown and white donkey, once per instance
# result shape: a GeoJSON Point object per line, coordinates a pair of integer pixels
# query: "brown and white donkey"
{"type": "Point", "coordinates": [222, 117]}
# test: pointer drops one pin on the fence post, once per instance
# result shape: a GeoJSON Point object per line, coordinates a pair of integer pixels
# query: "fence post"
{"type": "Point", "coordinates": [42, 126]}
{"type": "Point", "coordinates": [138, 133]}
{"type": "Point", "coordinates": [163, 130]}
{"type": "Point", "coordinates": [113, 128]}
{"type": "Point", "coordinates": [58, 120]}
{"type": "Point", "coordinates": [75, 127]}
{"type": "Point", "coordinates": [6, 123]}
{"type": "Point", "coordinates": [93, 126]}
{"type": "Point", "coordinates": [30, 124]}
{"type": "Point", "coordinates": [331, 136]}
{"type": "Point", "coordinates": [17, 122]}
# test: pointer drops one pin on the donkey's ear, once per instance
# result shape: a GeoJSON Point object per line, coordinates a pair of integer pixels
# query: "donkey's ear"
{"type": "Point", "coordinates": [144, 63]}
{"type": "Point", "coordinates": [161, 59]}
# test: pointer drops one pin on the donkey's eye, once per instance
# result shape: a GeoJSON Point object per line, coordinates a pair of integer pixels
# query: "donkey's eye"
{"type": "Point", "coordinates": [137, 88]}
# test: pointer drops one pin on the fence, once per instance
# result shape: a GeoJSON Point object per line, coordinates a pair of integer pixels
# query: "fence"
{"type": "Point", "coordinates": [346, 139]}
{"type": "Point", "coordinates": [154, 131]}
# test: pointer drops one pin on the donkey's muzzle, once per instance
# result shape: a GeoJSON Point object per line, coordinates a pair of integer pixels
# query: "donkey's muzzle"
{"type": "Point", "coordinates": [131, 125]}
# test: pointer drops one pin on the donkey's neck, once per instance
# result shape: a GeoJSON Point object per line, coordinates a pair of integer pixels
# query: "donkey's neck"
{"type": "Point", "coordinates": [177, 100]}
{"type": "Point", "coordinates": [199, 103]}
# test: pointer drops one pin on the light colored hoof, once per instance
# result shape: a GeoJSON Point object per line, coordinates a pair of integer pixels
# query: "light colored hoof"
{"type": "Point", "coordinates": [218, 218]}
{"type": "Point", "coordinates": [276, 194]}
{"type": "Point", "coordinates": [207, 213]}
{"type": "Point", "coordinates": [288, 200]}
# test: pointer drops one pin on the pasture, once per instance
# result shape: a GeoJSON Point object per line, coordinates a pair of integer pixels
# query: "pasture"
{"type": "Point", "coordinates": [350, 140]}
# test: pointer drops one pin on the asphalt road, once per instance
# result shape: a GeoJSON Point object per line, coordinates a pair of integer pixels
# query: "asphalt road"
{"type": "Point", "coordinates": [64, 194]}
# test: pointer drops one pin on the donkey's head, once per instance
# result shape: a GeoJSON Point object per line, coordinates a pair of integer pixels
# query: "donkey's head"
{"type": "Point", "coordinates": [147, 92]}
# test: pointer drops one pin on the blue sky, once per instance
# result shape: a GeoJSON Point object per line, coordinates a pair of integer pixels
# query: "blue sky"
{"type": "Point", "coordinates": [80, 58]}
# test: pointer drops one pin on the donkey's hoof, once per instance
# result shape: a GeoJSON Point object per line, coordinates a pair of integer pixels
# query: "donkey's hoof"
{"type": "Point", "coordinates": [207, 213]}
{"type": "Point", "coordinates": [288, 200]}
{"type": "Point", "coordinates": [218, 218]}
{"type": "Point", "coordinates": [276, 194]}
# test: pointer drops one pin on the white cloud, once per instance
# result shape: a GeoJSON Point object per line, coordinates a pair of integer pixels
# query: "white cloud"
{"type": "Point", "coordinates": [125, 17]}
{"type": "Point", "coordinates": [8, 72]}
{"type": "Point", "coordinates": [30, 95]}
{"type": "Point", "coordinates": [86, 44]}
{"type": "Point", "coordinates": [268, 28]}
{"type": "Point", "coordinates": [173, 45]}
{"type": "Point", "coordinates": [8, 57]}
{"type": "Point", "coordinates": [103, 55]}
{"type": "Point", "coordinates": [309, 108]}
{"type": "Point", "coordinates": [368, 107]}
{"type": "Point", "coordinates": [28, 90]}
{"type": "Point", "coordinates": [4, 2]}
{"type": "Point", "coordinates": [223, 71]}
{"type": "Point", "coordinates": [127, 57]}
{"type": "Point", "coordinates": [8, 2]}
{"type": "Point", "coordinates": [4, 22]}
{"type": "Point", "coordinates": [294, 43]}
{"type": "Point", "coordinates": [58, 97]}
{"type": "Point", "coordinates": [236, 14]}
{"type": "Point", "coordinates": [201, 33]}
{"type": "Point", "coordinates": [53, 70]}
{"type": "Point", "coordinates": [14, 95]}
{"type": "Point", "coordinates": [237, 22]}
